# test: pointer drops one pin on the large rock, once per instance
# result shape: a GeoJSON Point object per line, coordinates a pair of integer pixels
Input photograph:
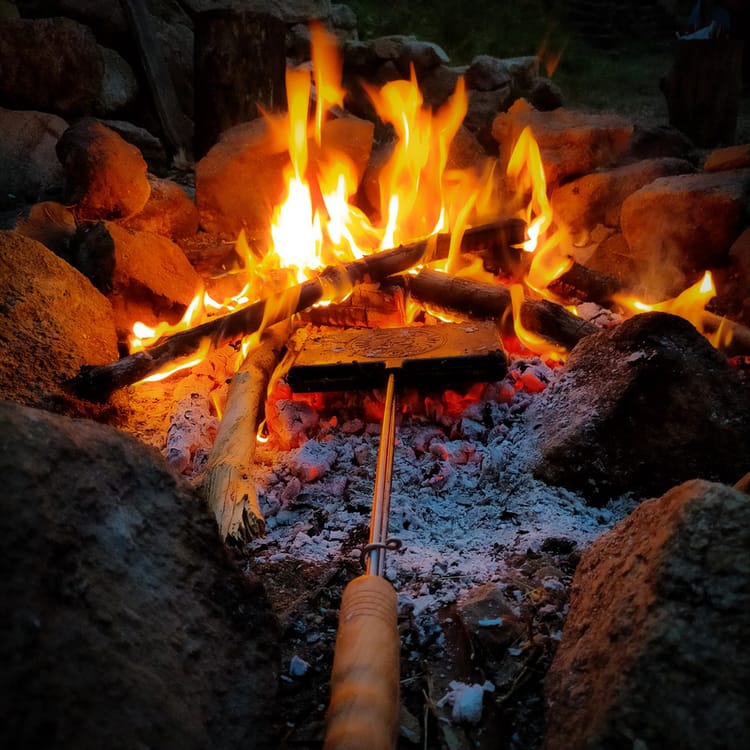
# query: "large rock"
{"type": "Point", "coordinates": [54, 321]}
{"type": "Point", "coordinates": [145, 276]}
{"type": "Point", "coordinates": [125, 624]}
{"type": "Point", "coordinates": [105, 175]}
{"type": "Point", "coordinates": [688, 221]}
{"type": "Point", "coordinates": [56, 65]}
{"type": "Point", "coordinates": [168, 211]}
{"type": "Point", "coordinates": [597, 198]}
{"type": "Point", "coordinates": [654, 649]}
{"type": "Point", "coordinates": [640, 408]}
{"type": "Point", "coordinates": [571, 143]}
{"type": "Point", "coordinates": [29, 169]}
{"type": "Point", "coordinates": [241, 179]}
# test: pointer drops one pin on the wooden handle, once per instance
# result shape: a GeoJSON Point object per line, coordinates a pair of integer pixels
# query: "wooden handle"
{"type": "Point", "coordinates": [364, 710]}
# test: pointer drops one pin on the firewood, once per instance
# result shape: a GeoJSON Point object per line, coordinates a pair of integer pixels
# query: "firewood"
{"type": "Point", "coordinates": [588, 285]}
{"type": "Point", "coordinates": [98, 382]}
{"type": "Point", "coordinates": [227, 484]}
{"type": "Point", "coordinates": [482, 300]}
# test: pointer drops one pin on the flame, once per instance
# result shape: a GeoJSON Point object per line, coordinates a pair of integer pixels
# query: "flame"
{"type": "Point", "coordinates": [317, 222]}
{"type": "Point", "coordinates": [689, 304]}
{"type": "Point", "coordinates": [530, 340]}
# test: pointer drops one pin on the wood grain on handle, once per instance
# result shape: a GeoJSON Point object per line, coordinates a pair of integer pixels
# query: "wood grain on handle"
{"type": "Point", "coordinates": [364, 710]}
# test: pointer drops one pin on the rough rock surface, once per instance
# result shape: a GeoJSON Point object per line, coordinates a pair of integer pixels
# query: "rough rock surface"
{"type": "Point", "coordinates": [654, 649]}
{"type": "Point", "coordinates": [145, 276]}
{"type": "Point", "coordinates": [571, 143]}
{"type": "Point", "coordinates": [641, 408]}
{"type": "Point", "coordinates": [56, 65]}
{"type": "Point", "coordinates": [105, 176]}
{"type": "Point", "coordinates": [126, 625]}
{"type": "Point", "coordinates": [241, 178]}
{"type": "Point", "coordinates": [688, 220]}
{"type": "Point", "coordinates": [597, 198]}
{"type": "Point", "coordinates": [168, 211]}
{"type": "Point", "coordinates": [732, 157]}
{"type": "Point", "coordinates": [54, 321]}
{"type": "Point", "coordinates": [30, 168]}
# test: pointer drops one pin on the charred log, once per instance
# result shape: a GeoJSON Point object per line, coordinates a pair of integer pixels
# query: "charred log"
{"type": "Point", "coordinates": [481, 300]}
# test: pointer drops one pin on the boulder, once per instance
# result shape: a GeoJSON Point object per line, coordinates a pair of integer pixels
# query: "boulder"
{"type": "Point", "coordinates": [56, 65]}
{"type": "Point", "coordinates": [597, 198]}
{"type": "Point", "coordinates": [571, 143]}
{"type": "Point", "coordinates": [639, 409]}
{"type": "Point", "coordinates": [50, 223]}
{"type": "Point", "coordinates": [654, 648]}
{"type": "Point", "coordinates": [29, 168]}
{"type": "Point", "coordinates": [659, 142]}
{"type": "Point", "coordinates": [688, 221]}
{"type": "Point", "coordinates": [732, 157]}
{"type": "Point", "coordinates": [105, 177]}
{"type": "Point", "coordinates": [54, 322]}
{"type": "Point", "coordinates": [545, 95]}
{"type": "Point", "coordinates": [487, 73]}
{"type": "Point", "coordinates": [145, 276]}
{"type": "Point", "coordinates": [241, 179]}
{"type": "Point", "coordinates": [127, 625]}
{"type": "Point", "coordinates": [168, 211]}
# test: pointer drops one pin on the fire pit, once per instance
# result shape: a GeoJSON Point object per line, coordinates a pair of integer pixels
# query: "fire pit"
{"type": "Point", "coordinates": [613, 270]}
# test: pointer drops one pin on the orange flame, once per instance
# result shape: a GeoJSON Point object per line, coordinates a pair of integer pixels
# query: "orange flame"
{"type": "Point", "coordinates": [689, 304]}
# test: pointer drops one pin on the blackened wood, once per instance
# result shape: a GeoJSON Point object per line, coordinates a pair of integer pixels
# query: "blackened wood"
{"type": "Point", "coordinates": [177, 126]}
{"type": "Point", "coordinates": [482, 300]}
{"type": "Point", "coordinates": [703, 89]}
{"type": "Point", "coordinates": [240, 64]}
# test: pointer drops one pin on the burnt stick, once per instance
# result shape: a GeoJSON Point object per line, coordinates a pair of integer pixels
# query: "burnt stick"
{"type": "Point", "coordinates": [482, 300]}
{"type": "Point", "coordinates": [96, 383]}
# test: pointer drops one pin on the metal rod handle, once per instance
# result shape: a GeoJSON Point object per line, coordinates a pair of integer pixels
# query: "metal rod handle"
{"type": "Point", "coordinates": [381, 501]}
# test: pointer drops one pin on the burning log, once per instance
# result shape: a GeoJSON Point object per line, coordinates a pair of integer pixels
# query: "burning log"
{"type": "Point", "coordinates": [228, 488]}
{"type": "Point", "coordinates": [594, 286]}
{"type": "Point", "coordinates": [97, 383]}
{"type": "Point", "coordinates": [482, 300]}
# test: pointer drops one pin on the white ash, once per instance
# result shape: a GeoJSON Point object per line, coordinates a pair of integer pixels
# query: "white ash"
{"type": "Point", "coordinates": [463, 499]}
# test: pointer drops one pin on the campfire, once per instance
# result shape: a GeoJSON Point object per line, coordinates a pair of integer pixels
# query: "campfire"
{"type": "Point", "coordinates": [607, 271]}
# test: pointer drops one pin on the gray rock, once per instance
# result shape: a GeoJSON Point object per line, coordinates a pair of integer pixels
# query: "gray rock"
{"type": "Point", "coordinates": [119, 86]}
{"type": "Point", "coordinates": [544, 94]}
{"type": "Point", "coordinates": [487, 73]}
{"type": "Point", "coordinates": [639, 409]}
{"type": "Point", "coordinates": [127, 625]}
{"type": "Point", "coordinates": [51, 64]}
{"type": "Point", "coordinates": [29, 168]}
{"type": "Point", "coordinates": [654, 649]}
{"type": "Point", "coordinates": [343, 17]}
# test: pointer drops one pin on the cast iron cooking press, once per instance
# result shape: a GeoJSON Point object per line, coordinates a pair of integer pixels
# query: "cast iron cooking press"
{"type": "Point", "coordinates": [363, 713]}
